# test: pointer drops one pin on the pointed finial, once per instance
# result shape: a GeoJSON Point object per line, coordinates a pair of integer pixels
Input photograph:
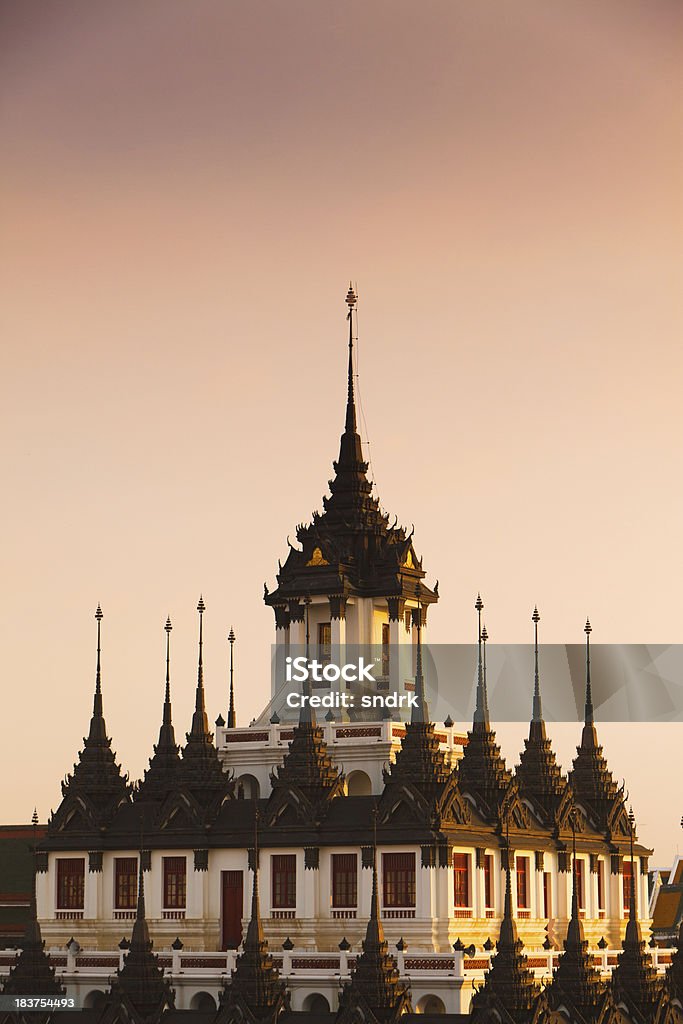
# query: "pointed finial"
{"type": "Point", "coordinates": [34, 817]}
{"type": "Point", "coordinates": [232, 721]}
{"type": "Point", "coordinates": [98, 682]}
{"type": "Point", "coordinates": [588, 713]}
{"type": "Point", "coordinates": [168, 627]}
{"type": "Point", "coordinates": [537, 711]}
{"type": "Point", "coordinates": [481, 711]}
{"type": "Point", "coordinates": [632, 897]}
{"type": "Point", "coordinates": [420, 712]}
{"type": "Point", "coordinates": [350, 424]}
{"type": "Point", "coordinates": [200, 722]}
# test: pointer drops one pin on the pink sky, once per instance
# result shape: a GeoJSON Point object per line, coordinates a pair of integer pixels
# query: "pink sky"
{"type": "Point", "coordinates": [187, 189]}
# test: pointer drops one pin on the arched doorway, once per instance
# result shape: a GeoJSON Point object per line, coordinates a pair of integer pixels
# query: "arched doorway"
{"type": "Point", "coordinates": [94, 1000]}
{"type": "Point", "coordinates": [431, 1004]}
{"type": "Point", "coordinates": [202, 1001]}
{"type": "Point", "coordinates": [358, 784]}
{"type": "Point", "coordinates": [315, 1002]}
{"type": "Point", "coordinates": [247, 787]}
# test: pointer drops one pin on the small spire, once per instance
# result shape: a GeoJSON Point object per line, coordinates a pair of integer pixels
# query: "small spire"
{"type": "Point", "coordinates": [537, 713]}
{"type": "Point", "coordinates": [481, 713]}
{"type": "Point", "coordinates": [200, 722]}
{"type": "Point", "coordinates": [140, 938]}
{"type": "Point", "coordinates": [374, 933]}
{"type": "Point", "coordinates": [232, 721]}
{"type": "Point", "coordinates": [350, 425]}
{"type": "Point", "coordinates": [508, 928]}
{"type": "Point", "coordinates": [255, 937]}
{"type": "Point", "coordinates": [575, 934]}
{"type": "Point", "coordinates": [166, 734]}
{"type": "Point", "coordinates": [167, 698]}
{"type": "Point", "coordinates": [632, 905]}
{"type": "Point", "coordinates": [97, 727]}
{"type": "Point", "coordinates": [588, 714]}
{"type": "Point", "coordinates": [420, 712]}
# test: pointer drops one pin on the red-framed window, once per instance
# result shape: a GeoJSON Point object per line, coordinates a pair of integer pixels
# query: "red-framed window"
{"type": "Point", "coordinates": [386, 656]}
{"type": "Point", "coordinates": [488, 880]}
{"type": "Point", "coordinates": [547, 895]}
{"type": "Point", "coordinates": [580, 868]}
{"type": "Point", "coordinates": [398, 879]}
{"type": "Point", "coordinates": [70, 883]}
{"type": "Point", "coordinates": [125, 883]}
{"type": "Point", "coordinates": [522, 865]}
{"type": "Point", "coordinates": [283, 868]}
{"type": "Point", "coordinates": [175, 883]}
{"type": "Point", "coordinates": [627, 883]}
{"type": "Point", "coordinates": [601, 885]}
{"type": "Point", "coordinates": [461, 879]}
{"type": "Point", "coordinates": [344, 879]}
{"type": "Point", "coordinates": [325, 642]}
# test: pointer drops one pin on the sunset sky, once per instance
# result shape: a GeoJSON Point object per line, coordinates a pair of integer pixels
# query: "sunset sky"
{"type": "Point", "coordinates": [187, 189]}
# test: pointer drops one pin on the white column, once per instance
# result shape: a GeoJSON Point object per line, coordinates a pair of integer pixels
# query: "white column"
{"type": "Point", "coordinates": [395, 628]}
{"type": "Point", "coordinates": [91, 893]}
{"type": "Point", "coordinates": [338, 638]}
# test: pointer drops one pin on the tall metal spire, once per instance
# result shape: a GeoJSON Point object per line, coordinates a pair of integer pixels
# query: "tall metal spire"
{"type": "Point", "coordinates": [200, 721]}
{"type": "Point", "coordinates": [166, 733]}
{"type": "Point", "coordinates": [374, 933]}
{"type": "Point", "coordinates": [167, 699]}
{"type": "Point", "coordinates": [350, 425]}
{"type": "Point", "coordinates": [255, 938]}
{"type": "Point", "coordinates": [232, 720]}
{"type": "Point", "coordinates": [588, 711]}
{"type": "Point", "coordinates": [508, 928]}
{"type": "Point", "coordinates": [97, 727]}
{"type": "Point", "coordinates": [575, 930]}
{"type": "Point", "coordinates": [632, 905]}
{"type": "Point", "coordinates": [420, 713]}
{"type": "Point", "coordinates": [481, 712]}
{"type": "Point", "coordinates": [537, 712]}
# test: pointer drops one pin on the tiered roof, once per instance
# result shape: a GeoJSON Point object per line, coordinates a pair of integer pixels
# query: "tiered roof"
{"type": "Point", "coordinates": [140, 988]}
{"type": "Point", "coordinates": [201, 772]}
{"type": "Point", "coordinates": [162, 776]}
{"type": "Point", "coordinates": [509, 985]}
{"type": "Point", "coordinates": [350, 548]}
{"type": "Point", "coordinates": [482, 773]}
{"type": "Point", "coordinates": [33, 973]}
{"type": "Point", "coordinates": [375, 992]}
{"type": "Point", "coordinates": [306, 782]}
{"type": "Point", "coordinates": [95, 790]}
{"type": "Point", "coordinates": [255, 992]}
{"type": "Point", "coordinates": [538, 774]}
{"type": "Point", "coordinates": [576, 981]}
{"type": "Point", "coordinates": [635, 979]}
{"type": "Point", "coordinates": [591, 780]}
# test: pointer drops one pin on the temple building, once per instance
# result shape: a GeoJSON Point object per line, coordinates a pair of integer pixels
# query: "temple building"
{"type": "Point", "coordinates": [354, 871]}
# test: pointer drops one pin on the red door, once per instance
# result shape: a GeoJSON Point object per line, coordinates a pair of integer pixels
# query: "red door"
{"type": "Point", "coordinates": [232, 907]}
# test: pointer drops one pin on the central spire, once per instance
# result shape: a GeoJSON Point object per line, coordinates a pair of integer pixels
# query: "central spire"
{"type": "Point", "coordinates": [350, 425]}
{"type": "Point", "coordinates": [481, 712]}
{"type": "Point", "coordinates": [232, 718]}
{"type": "Point", "coordinates": [162, 775]}
{"type": "Point", "coordinates": [420, 712]}
{"type": "Point", "coordinates": [537, 711]}
{"type": "Point", "coordinates": [200, 721]}
{"type": "Point", "coordinates": [98, 730]}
